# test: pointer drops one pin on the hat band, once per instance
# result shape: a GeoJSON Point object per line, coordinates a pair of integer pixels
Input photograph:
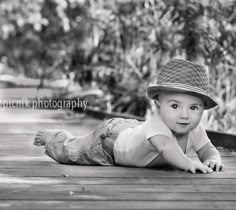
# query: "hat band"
{"type": "Point", "coordinates": [183, 87]}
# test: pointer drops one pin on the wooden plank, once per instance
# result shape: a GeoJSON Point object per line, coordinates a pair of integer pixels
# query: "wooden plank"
{"type": "Point", "coordinates": [44, 164]}
{"type": "Point", "coordinates": [43, 160]}
{"type": "Point", "coordinates": [35, 151]}
{"type": "Point", "coordinates": [85, 172]}
{"type": "Point", "coordinates": [115, 205]}
{"type": "Point", "coordinates": [40, 159]}
{"type": "Point", "coordinates": [114, 196]}
{"type": "Point", "coordinates": [20, 154]}
{"type": "Point", "coordinates": [121, 188]}
{"type": "Point", "coordinates": [113, 181]}
{"type": "Point", "coordinates": [52, 168]}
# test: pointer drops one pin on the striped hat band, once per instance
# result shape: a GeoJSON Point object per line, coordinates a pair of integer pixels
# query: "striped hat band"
{"type": "Point", "coordinates": [183, 87]}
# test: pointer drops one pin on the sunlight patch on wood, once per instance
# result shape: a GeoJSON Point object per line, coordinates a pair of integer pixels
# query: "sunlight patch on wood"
{"type": "Point", "coordinates": [16, 180]}
{"type": "Point", "coordinates": [25, 158]}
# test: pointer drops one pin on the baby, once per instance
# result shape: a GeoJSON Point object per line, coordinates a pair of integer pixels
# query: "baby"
{"type": "Point", "coordinates": [180, 97]}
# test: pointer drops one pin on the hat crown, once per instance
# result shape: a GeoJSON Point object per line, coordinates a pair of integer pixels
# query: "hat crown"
{"type": "Point", "coordinates": [184, 72]}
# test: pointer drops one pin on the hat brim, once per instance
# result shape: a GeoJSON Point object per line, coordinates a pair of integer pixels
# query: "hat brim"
{"type": "Point", "coordinates": [154, 91]}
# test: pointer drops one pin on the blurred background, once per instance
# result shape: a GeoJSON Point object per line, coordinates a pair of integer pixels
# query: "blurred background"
{"type": "Point", "coordinates": [107, 52]}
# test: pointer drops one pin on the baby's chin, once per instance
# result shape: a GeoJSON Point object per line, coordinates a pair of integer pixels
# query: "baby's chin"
{"type": "Point", "coordinates": [181, 132]}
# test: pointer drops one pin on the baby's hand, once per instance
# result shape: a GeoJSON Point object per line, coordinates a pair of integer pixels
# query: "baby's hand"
{"type": "Point", "coordinates": [197, 166]}
{"type": "Point", "coordinates": [214, 165]}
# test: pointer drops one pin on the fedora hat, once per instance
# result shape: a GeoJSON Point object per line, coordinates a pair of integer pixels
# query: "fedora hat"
{"type": "Point", "coordinates": [183, 76]}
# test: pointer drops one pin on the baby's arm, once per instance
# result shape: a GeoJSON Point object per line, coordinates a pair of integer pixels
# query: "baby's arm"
{"type": "Point", "coordinates": [173, 154]}
{"type": "Point", "coordinates": [210, 157]}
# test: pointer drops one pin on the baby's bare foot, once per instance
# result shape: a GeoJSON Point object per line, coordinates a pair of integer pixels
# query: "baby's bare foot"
{"type": "Point", "coordinates": [42, 137]}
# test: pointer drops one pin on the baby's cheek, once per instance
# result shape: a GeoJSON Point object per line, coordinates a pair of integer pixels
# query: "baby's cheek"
{"type": "Point", "coordinates": [196, 122]}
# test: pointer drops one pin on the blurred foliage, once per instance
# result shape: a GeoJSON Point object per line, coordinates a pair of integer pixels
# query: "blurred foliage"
{"type": "Point", "coordinates": [121, 44]}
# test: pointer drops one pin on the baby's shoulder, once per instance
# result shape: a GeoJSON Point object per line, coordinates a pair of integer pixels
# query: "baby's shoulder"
{"type": "Point", "coordinates": [155, 126]}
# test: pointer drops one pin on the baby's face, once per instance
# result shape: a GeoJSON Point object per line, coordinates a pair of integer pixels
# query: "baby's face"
{"type": "Point", "coordinates": [180, 112]}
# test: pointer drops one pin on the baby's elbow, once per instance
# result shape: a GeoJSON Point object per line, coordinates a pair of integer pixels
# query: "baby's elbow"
{"type": "Point", "coordinates": [167, 147]}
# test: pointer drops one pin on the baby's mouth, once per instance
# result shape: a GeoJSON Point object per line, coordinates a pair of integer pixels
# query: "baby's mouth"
{"type": "Point", "coordinates": [183, 124]}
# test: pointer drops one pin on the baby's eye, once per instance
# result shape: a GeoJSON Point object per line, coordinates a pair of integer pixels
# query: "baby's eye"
{"type": "Point", "coordinates": [194, 108]}
{"type": "Point", "coordinates": [174, 106]}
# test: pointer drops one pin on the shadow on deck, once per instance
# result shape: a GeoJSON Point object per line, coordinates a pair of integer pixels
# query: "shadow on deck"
{"type": "Point", "coordinates": [31, 180]}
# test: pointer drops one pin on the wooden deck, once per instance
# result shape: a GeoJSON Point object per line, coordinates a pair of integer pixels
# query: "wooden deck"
{"type": "Point", "coordinates": [31, 180]}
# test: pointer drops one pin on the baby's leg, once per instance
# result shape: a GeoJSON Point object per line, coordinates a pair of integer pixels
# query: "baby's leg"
{"type": "Point", "coordinates": [44, 136]}
{"type": "Point", "coordinates": [88, 149]}
{"type": "Point", "coordinates": [64, 147]}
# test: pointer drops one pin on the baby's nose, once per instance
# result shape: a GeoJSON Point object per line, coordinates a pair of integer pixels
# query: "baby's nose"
{"type": "Point", "coordinates": [184, 113]}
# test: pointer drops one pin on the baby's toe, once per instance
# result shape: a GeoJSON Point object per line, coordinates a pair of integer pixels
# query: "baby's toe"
{"type": "Point", "coordinates": [39, 139]}
{"type": "Point", "coordinates": [39, 143]}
